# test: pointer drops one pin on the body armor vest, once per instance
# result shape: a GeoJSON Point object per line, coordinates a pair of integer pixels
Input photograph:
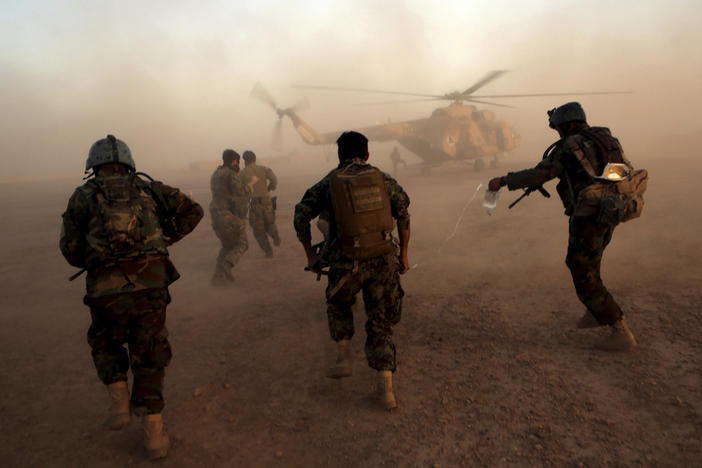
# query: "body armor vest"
{"type": "Point", "coordinates": [612, 201]}
{"type": "Point", "coordinates": [126, 223]}
{"type": "Point", "coordinates": [362, 211]}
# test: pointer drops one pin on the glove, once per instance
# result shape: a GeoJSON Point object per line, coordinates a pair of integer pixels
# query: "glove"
{"type": "Point", "coordinates": [497, 183]}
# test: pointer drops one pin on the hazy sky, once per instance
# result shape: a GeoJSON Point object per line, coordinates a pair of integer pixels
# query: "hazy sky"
{"type": "Point", "coordinates": [172, 78]}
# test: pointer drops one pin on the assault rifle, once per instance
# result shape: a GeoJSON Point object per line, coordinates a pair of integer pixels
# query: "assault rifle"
{"type": "Point", "coordinates": [528, 191]}
{"type": "Point", "coordinates": [317, 250]}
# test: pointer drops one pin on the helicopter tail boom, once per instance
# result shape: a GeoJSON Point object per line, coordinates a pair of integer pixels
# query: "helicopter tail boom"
{"type": "Point", "coordinates": [308, 134]}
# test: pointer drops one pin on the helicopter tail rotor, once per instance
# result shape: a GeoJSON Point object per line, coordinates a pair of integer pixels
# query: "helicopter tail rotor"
{"type": "Point", "coordinates": [260, 93]}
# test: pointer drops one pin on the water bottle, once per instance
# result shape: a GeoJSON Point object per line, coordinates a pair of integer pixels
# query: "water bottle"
{"type": "Point", "coordinates": [490, 201]}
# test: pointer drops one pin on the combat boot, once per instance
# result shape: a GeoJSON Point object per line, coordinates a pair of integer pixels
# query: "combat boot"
{"type": "Point", "coordinates": [155, 438]}
{"type": "Point", "coordinates": [228, 275]}
{"type": "Point", "coordinates": [276, 239]}
{"type": "Point", "coordinates": [621, 338]}
{"type": "Point", "coordinates": [342, 367]}
{"type": "Point", "coordinates": [387, 396]}
{"type": "Point", "coordinates": [119, 406]}
{"type": "Point", "coordinates": [222, 277]}
{"type": "Point", "coordinates": [588, 321]}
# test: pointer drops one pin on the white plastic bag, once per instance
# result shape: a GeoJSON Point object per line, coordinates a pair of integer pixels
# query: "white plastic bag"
{"type": "Point", "coordinates": [490, 201]}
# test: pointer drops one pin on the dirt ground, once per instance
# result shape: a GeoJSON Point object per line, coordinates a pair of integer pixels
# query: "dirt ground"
{"type": "Point", "coordinates": [492, 371]}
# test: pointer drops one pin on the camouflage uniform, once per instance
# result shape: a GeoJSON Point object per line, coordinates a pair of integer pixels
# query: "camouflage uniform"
{"type": "Point", "coordinates": [128, 295]}
{"type": "Point", "coordinates": [587, 237]}
{"type": "Point", "coordinates": [377, 277]}
{"type": "Point", "coordinates": [230, 199]}
{"type": "Point", "coordinates": [261, 212]}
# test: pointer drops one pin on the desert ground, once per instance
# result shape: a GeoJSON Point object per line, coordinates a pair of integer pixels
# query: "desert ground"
{"type": "Point", "coordinates": [491, 370]}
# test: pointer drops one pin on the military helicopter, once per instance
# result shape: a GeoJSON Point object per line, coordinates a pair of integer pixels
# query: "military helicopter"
{"type": "Point", "coordinates": [457, 132]}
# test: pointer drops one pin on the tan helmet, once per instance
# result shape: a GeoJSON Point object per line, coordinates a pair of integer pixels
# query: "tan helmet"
{"type": "Point", "coordinates": [109, 150]}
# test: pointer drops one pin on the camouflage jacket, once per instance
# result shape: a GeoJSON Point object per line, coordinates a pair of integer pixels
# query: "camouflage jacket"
{"type": "Point", "coordinates": [561, 162]}
{"type": "Point", "coordinates": [229, 193]}
{"type": "Point", "coordinates": [267, 181]}
{"type": "Point", "coordinates": [148, 266]}
{"type": "Point", "coordinates": [317, 200]}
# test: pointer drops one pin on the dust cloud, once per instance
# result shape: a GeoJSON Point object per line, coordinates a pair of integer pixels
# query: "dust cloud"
{"type": "Point", "coordinates": [490, 368]}
{"type": "Point", "coordinates": [174, 82]}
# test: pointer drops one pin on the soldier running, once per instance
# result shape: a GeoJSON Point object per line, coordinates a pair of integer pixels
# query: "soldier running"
{"type": "Point", "coordinates": [230, 202]}
{"type": "Point", "coordinates": [581, 147]}
{"type": "Point", "coordinates": [118, 226]}
{"type": "Point", "coordinates": [361, 202]}
{"type": "Point", "coordinates": [262, 180]}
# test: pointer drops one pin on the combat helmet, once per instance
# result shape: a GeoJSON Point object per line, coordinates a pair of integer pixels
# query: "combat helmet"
{"type": "Point", "coordinates": [109, 150]}
{"type": "Point", "coordinates": [569, 112]}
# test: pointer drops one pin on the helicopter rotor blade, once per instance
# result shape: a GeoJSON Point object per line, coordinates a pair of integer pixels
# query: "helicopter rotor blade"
{"type": "Point", "coordinates": [260, 93]}
{"type": "Point", "coordinates": [364, 90]}
{"type": "Point", "coordinates": [401, 101]}
{"type": "Point", "coordinates": [488, 103]}
{"type": "Point", "coordinates": [483, 81]}
{"type": "Point", "coordinates": [498, 96]}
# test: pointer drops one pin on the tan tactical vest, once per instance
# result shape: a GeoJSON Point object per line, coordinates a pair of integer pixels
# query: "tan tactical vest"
{"type": "Point", "coordinates": [362, 211]}
{"type": "Point", "coordinates": [612, 201]}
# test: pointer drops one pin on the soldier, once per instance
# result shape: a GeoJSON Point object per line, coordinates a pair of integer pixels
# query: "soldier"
{"type": "Point", "coordinates": [117, 226]}
{"type": "Point", "coordinates": [230, 201]}
{"type": "Point", "coordinates": [262, 211]}
{"type": "Point", "coordinates": [396, 160]}
{"type": "Point", "coordinates": [361, 203]}
{"type": "Point", "coordinates": [579, 146]}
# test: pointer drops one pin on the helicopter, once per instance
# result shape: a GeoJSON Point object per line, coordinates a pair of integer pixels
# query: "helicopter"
{"type": "Point", "coordinates": [457, 132]}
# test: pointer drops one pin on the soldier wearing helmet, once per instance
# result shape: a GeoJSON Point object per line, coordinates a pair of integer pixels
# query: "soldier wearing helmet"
{"type": "Point", "coordinates": [117, 227]}
{"type": "Point", "coordinates": [580, 148]}
{"type": "Point", "coordinates": [261, 180]}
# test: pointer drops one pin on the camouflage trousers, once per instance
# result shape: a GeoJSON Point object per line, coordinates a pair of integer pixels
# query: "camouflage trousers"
{"type": "Point", "coordinates": [379, 279]}
{"type": "Point", "coordinates": [262, 221]}
{"type": "Point", "coordinates": [586, 243]}
{"type": "Point", "coordinates": [231, 231]}
{"type": "Point", "coordinates": [137, 319]}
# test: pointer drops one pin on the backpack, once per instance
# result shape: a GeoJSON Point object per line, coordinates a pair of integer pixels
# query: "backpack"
{"type": "Point", "coordinates": [126, 223]}
{"type": "Point", "coordinates": [362, 211]}
{"type": "Point", "coordinates": [612, 200]}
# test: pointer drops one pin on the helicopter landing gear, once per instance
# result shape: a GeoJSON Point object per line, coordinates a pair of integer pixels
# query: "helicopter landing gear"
{"type": "Point", "coordinates": [478, 165]}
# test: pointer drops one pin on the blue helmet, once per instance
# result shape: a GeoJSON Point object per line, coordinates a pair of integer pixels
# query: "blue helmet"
{"type": "Point", "coordinates": [569, 112]}
{"type": "Point", "coordinates": [109, 150]}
